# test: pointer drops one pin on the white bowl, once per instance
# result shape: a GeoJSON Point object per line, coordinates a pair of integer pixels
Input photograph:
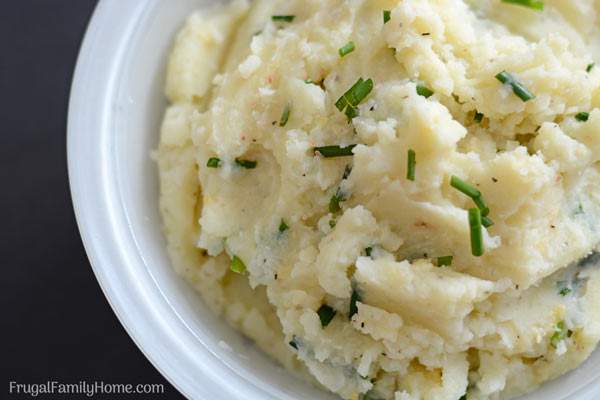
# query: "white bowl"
{"type": "Point", "coordinates": [114, 116]}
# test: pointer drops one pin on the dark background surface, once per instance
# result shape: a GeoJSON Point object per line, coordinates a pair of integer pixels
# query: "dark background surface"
{"type": "Point", "coordinates": [56, 324]}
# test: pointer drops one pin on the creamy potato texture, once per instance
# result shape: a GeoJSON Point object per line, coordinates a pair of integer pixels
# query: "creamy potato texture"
{"type": "Point", "coordinates": [339, 274]}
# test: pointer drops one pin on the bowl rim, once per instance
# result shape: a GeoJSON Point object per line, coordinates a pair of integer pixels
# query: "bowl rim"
{"type": "Point", "coordinates": [155, 327]}
{"type": "Point", "coordinates": [76, 109]}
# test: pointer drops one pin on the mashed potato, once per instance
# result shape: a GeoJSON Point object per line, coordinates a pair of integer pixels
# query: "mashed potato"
{"type": "Point", "coordinates": [399, 198]}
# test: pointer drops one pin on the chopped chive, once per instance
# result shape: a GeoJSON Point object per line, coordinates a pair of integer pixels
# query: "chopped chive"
{"type": "Point", "coordinates": [326, 314]}
{"type": "Point", "coordinates": [334, 203]}
{"type": "Point", "coordinates": [334, 151]}
{"type": "Point", "coordinates": [246, 163]}
{"type": "Point", "coordinates": [283, 226]}
{"type": "Point", "coordinates": [294, 342]}
{"type": "Point", "coordinates": [354, 298]}
{"type": "Point", "coordinates": [463, 397]}
{"type": "Point", "coordinates": [464, 187]}
{"type": "Point", "coordinates": [355, 94]}
{"type": "Point", "coordinates": [518, 88]}
{"type": "Point", "coordinates": [283, 18]}
{"type": "Point", "coordinates": [537, 5]}
{"type": "Point", "coordinates": [481, 205]}
{"type": "Point", "coordinates": [565, 291]}
{"type": "Point", "coordinates": [311, 82]}
{"type": "Point", "coordinates": [486, 222]}
{"type": "Point", "coordinates": [332, 223]}
{"type": "Point", "coordinates": [477, 248]}
{"type": "Point", "coordinates": [472, 192]}
{"type": "Point", "coordinates": [387, 15]}
{"type": "Point", "coordinates": [352, 98]}
{"type": "Point", "coordinates": [582, 116]}
{"type": "Point", "coordinates": [369, 251]}
{"type": "Point", "coordinates": [237, 265]}
{"type": "Point", "coordinates": [424, 91]}
{"type": "Point", "coordinates": [213, 162]}
{"type": "Point", "coordinates": [590, 67]}
{"type": "Point", "coordinates": [347, 171]}
{"type": "Point", "coordinates": [478, 117]}
{"type": "Point", "coordinates": [347, 49]}
{"type": "Point", "coordinates": [444, 261]}
{"type": "Point", "coordinates": [560, 334]}
{"type": "Point", "coordinates": [285, 116]}
{"type": "Point", "coordinates": [412, 165]}
{"type": "Point", "coordinates": [351, 112]}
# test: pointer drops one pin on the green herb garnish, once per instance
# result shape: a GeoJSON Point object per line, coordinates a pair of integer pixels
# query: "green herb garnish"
{"type": "Point", "coordinates": [334, 151]}
{"type": "Point", "coordinates": [332, 223]}
{"type": "Point", "coordinates": [352, 98]}
{"type": "Point", "coordinates": [334, 202]}
{"type": "Point", "coordinates": [213, 162]}
{"type": "Point", "coordinates": [347, 49]}
{"type": "Point", "coordinates": [477, 248]}
{"type": "Point", "coordinates": [464, 187]}
{"type": "Point", "coordinates": [478, 117]}
{"type": "Point", "coordinates": [347, 171]}
{"type": "Point", "coordinates": [369, 251]}
{"type": "Point", "coordinates": [486, 222]}
{"type": "Point", "coordinates": [565, 291]}
{"type": "Point", "coordinates": [470, 191]}
{"type": "Point", "coordinates": [294, 342]}
{"type": "Point", "coordinates": [444, 261]}
{"type": "Point", "coordinates": [590, 67]}
{"type": "Point", "coordinates": [326, 314]}
{"type": "Point", "coordinates": [481, 205]}
{"type": "Point", "coordinates": [411, 165]}
{"type": "Point", "coordinates": [387, 15]}
{"type": "Point", "coordinates": [283, 18]}
{"type": "Point", "coordinates": [537, 5]}
{"type": "Point", "coordinates": [354, 298]}
{"type": "Point", "coordinates": [563, 288]}
{"type": "Point", "coordinates": [582, 116]}
{"type": "Point", "coordinates": [285, 116]}
{"type": "Point", "coordinates": [246, 163]}
{"type": "Point", "coordinates": [424, 91]}
{"type": "Point", "coordinates": [518, 88]}
{"type": "Point", "coordinates": [560, 333]}
{"type": "Point", "coordinates": [283, 226]}
{"type": "Point", "coordinates": [237, 265]}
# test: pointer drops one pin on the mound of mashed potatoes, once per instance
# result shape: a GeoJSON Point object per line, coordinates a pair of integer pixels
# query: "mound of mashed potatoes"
{"type": "Point", "coordinates": [397, 198]}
